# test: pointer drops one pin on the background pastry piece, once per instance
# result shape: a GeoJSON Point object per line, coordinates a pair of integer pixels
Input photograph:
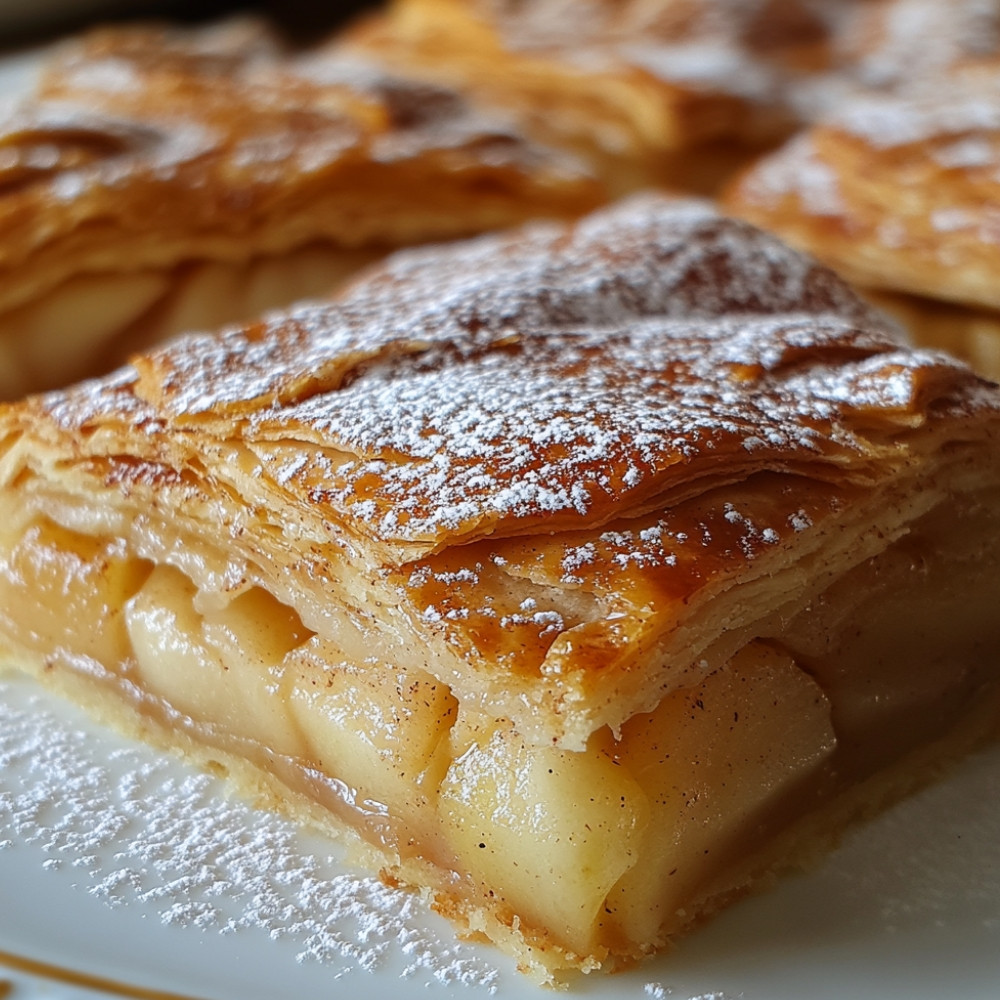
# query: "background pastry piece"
{"type": "Point", "coordinates": [163, 180]}
{"type": "Point", "coordinates": [652, 93]}
{"type": "Point", "coordinates": [674, 92]}
{"type": "Point", "coordinates": [587, 572]}
{"type": "Point", "coordinates": [894, 44]}
{"type": "Point", "coordinates": [901, 194]}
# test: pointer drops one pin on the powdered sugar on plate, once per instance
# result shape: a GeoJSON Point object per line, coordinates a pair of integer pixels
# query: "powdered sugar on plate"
{"type": "Point", "coordinates": [153, 840]}
{"type": "Point", "coordinates": [140, 830]}
{"type": "Point", "coordinates": [910, 906]}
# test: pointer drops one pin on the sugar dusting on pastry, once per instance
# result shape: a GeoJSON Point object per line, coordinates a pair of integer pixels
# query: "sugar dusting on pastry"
{"type": "Point", "coordinates": [930, 153]}
{"type": "Point", "coordinates": [954, 108]}
{"type": "Point", "coordinates": [798, 170]}
{"type": "Point", "coordinates": [649, 257]}
{"type": "Point", "coordinates": [506, 379]}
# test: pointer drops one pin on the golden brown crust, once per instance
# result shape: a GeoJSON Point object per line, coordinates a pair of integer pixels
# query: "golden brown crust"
{"type": "Point", "coordinates": [672, 95]}
{"type": "Point", "coordinates": [895, 192]}
{"type": "Point", "coordinates": [895, 188]}
{"type": "Point", "coordinates": [219, 162]}
{"type": "Point", "coordinates": [615, 419]}
{"type": "Point", "coordinates": [148, 148]}
{"type": "Point", "coordinates": [677, 93]}
{"type": "Point", "coordinates": [965, 332]}
{"type": "Point", "coordinates": [590, 319]}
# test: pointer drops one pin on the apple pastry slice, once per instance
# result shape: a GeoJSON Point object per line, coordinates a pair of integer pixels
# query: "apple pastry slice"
{"type": "Point", "coordinates": [675, 93]}
{"type": "Point", "coordinates": [583, 576]}
{"type": "Point", "coordinates": [163, 180]}
{"type": "Point", "coordinates": [899, 194]}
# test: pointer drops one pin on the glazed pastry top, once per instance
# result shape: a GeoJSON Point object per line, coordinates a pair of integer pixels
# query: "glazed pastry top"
{"type": "Point", "coordinates": [223, 145]}
{"type": "Point", "coordinates": [550, 447]}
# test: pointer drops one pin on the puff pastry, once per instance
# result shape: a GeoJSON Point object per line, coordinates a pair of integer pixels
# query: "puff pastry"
{"type": "Point", "coordinates": [674, 93]}
{"type": "Point", "coordinates": [670, 94]}
{"type": "Point", "coordinates": [899, 193]}
{"type": "Point", "coordinates": [643, 542]}
{"type": "Point", "coordinates": [163, 180]}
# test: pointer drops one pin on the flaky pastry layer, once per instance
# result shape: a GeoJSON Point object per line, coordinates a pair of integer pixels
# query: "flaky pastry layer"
{"type": "Point", "coordinates": [146, 153]}
{"type": "Point", "coordinates": [510, 447]}
{"type": "Point", "coordinates": [677, 93]}
{"type": "Point", "coordinates": [969, 333]}
{"type": "Point", "coordinates": [649, 97]}
{"type": "Point", "coordinates": [897, 194]}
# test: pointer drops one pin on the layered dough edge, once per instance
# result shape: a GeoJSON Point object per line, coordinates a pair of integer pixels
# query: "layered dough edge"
{"type": "Point", "coordinates": [827, 707]}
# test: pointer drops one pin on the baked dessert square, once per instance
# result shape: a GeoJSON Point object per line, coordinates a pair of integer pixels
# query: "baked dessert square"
{"type": "Point", "coordinates": [667, 94]}
{"type": "Point", "coordinates": [898, 193]}
{"type": "Point", "coordinates": [582, 576]}
{"type": "Point", "coordinates": [160, 180]}
{"type": "Point", "coordinates": [675, 93]}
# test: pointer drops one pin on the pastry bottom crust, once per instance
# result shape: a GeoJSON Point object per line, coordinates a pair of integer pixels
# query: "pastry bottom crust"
{"type": "Point", "coordinates": [94, 322]}
{"type": "Point", "coordinates": [832, 710]}
{"type": "Point", "coordinates": [540, 957]}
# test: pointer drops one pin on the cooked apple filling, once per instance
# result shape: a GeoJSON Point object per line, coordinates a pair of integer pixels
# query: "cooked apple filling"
{"type": "Point", "coordinates": [629, 838]}
{"type": "Point", "coordinates": [588, 573]}
{"type": "Point", "coordinates": [93, 322]}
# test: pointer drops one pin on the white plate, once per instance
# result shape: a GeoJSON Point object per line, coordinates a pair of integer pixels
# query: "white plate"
{"type": "Point", "coordinates": [95, 880]}
{"type": "Point", "coordinates": [116, 862]}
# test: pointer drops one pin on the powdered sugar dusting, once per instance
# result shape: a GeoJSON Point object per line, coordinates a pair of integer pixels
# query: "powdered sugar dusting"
{"type": "Point", "coordinates": [897, 41]}
{"type": "Point", "coordinates": [785, 62]}
{"type": "Point", "coordinates": [956, 108]}
{"type": "Point", "coordinates": [145, 835]}
{"type": "Point", "coordinates": [707, 64]}
{"type": "Point", "coordinates": [702, 46]}
{"type": "Point", "coordinates": [657, 991]}
{"type": "Point", "coordinates": [139, 831]}
{"type": "Point", "coordinates": [546, 372]}
{"type": "Point", "coordinates": [797, 169]}
{"type": "Point", "coordinates": [428, 115]}
{"type": "Point", "coordinates": [462, 426]}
